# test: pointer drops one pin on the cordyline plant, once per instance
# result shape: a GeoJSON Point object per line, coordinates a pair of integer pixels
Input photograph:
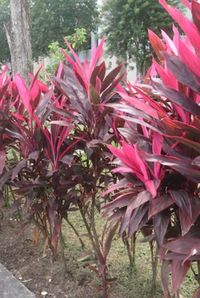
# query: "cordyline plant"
{"type": "Point", "coordinates": [160, 152]}
{"type": "Point", "coordinates": [54, 148]}
{"type": "Point", "coordinates": [36, 151]}
{"type": "Point", "coordinates": [86, 88]}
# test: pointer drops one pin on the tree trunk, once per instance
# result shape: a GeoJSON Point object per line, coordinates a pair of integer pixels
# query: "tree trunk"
{"type": "Point", "coordinates": [19, 37]}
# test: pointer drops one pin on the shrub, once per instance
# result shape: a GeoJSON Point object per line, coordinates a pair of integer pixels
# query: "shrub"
{"type": "Point", "coordinates": [53, 148]}
{"type": "Point", "coordinates": [159, 151]}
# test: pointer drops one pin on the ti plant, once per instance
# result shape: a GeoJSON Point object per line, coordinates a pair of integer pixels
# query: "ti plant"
{"type": "Point", "coordinates": [159, 153]}
{"type": "Point", "coordinates": [54, 148]}
{"type": "Point", "coordinates": [86, 93]}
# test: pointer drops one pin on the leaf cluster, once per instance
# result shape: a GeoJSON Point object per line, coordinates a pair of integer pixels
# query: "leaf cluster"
{"type": "Point", "coordinates": [159, 154]}
{"type": "Point", "coordinates": [53, 152]}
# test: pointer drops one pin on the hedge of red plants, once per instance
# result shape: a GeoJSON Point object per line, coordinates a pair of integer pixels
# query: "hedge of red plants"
{"type": "Point", "coordinates": [58, 143]}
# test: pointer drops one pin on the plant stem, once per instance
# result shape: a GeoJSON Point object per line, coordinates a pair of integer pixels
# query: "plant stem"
{"type": "Point", "coordinates": [154, 259]}
{"type": "Point", "coordinates": [75, 231]}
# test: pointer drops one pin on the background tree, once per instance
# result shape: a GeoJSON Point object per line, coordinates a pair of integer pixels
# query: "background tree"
{"type": "Point", "coordinates": [126, 24]}
{"type": "Point", "coordinates": [19, 37]}
{"type": "Point", "coordinates": [51, 21]}
{"type": "Point", "coordinates": [4, 17]}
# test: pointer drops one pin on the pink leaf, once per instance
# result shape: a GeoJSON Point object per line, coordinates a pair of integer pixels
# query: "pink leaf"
{"type": "Point", "coordinates": [96, 55]}
{"type": "Point", "coordinates": [186, 3]}
{"type": "Point", "coordinates": [139, 104]}
{"type": "Point", "coordinates": [186, 25]}
{"type": "Point", "coordinates": [23, 92]}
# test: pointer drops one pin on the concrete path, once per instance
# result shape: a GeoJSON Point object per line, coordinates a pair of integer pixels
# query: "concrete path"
{"type": "Point", "coordinates": [10, 287]}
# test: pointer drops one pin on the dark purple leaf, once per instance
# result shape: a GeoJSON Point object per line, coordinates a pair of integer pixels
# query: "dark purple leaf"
{"type": "Point", "coordinates": [108, 240]}
{"type": "Point", "coordinates": [135, 202]}
{"type": "Point", "coordinates": [159, 204]}
{"type": "Point", "coordinates": [196, 13]}
{"type": "Point", "coordinates": [111, 88]}
{"type": "Point", "coordinates": [165, 270]}
{"type": "Point", "coordinates": [128, 109]}
{"type": "Point", "coordinates": [187, 245]}
{"type": "Point", "coordinates": [196, 293]}
{"type": "Point", "coordinates": [161, 222]}
{"type": "Point", "coordinates": [178, 98]}
{"type": "Point", "coordinates": [182, 73]}
{"type": "Point", "coordinates": [180, 165]}
{"type": "Point", "coordinates": [1, 199]}
{"type": "Point", "coordinates": [2, 161]}
{"type": "Point", "coordinates": [183, 201]}
{"type": "Point", "coordinates": [99, 71]}
{"type": "Point", "coordinates": [138, 219]}
{"type": "Point", "coordinates": [176, 256]}
{"type": "Point", "coordinates": [17, 168]}
{"type": "Point", "coordinates": [4, 178]}
{"type": "Point", "coordinates": [179, 270]}
{"type": "Point", "coordinates": [121, 201]}
{"type": "Point", "coordinates": [110, 77]}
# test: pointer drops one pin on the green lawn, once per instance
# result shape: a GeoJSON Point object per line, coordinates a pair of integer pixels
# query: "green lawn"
{"type": "Point", "coordinates": [126, 285]}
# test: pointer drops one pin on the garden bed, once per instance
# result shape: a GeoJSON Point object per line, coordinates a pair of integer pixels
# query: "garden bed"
{"type": "Point", "coordinates": [45, 278]}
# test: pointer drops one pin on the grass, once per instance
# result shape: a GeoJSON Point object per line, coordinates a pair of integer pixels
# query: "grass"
{"type": "Point", "coordinates": [127, 285]}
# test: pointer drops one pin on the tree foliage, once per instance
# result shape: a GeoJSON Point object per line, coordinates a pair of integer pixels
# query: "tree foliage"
{"type": "Point", "coordinates": [126, 24]}
{"type": "Point", "coordinates": [51, 21]}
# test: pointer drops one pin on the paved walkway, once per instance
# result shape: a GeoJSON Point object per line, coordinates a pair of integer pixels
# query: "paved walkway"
{"type": "Point", "coordinates": [10, 287]}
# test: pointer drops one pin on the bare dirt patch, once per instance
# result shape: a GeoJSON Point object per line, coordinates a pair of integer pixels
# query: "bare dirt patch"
{"type": "Point", "coordinates": [38, 273]}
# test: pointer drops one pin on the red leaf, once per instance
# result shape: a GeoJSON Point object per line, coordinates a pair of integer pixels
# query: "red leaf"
{"type": "Point", "coordinates": [168, 78]}
{"type": "Point", "coordinates": [157, 44]}
{"type": "Point", "coordinates": [96, 55]}
{"type": "Point", "coordinates": [186, 3]}
{"type": "Point", "coordinates": [157, 143]}
{"type": "Point", "coordinates": [23, 92]}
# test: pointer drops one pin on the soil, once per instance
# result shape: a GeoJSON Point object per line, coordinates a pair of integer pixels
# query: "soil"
{"type": "Point", "coordinates": [38, 272]}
